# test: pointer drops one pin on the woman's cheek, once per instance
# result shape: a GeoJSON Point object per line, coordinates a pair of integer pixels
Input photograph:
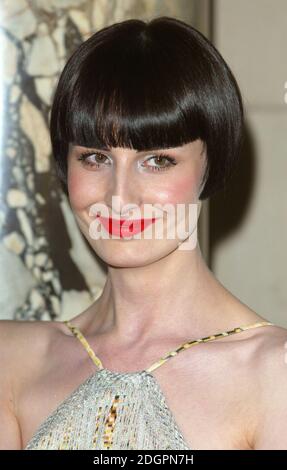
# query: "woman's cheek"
{"type": "Point", "coordinates": [182, 191]}
{"type": "Point", "coordinates": [78, 189]}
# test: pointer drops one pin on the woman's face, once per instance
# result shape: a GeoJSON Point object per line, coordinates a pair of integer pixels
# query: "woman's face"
{"type": "Point", "coordinates": [161, 179]}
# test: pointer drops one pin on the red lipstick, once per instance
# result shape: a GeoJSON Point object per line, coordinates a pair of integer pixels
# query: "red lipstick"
{"type": "Point", "coordinates": [131, 227]}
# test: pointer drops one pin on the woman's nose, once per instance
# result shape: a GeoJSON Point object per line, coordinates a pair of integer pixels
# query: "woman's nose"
{"type": "Point", "coordinates": [124, 195]}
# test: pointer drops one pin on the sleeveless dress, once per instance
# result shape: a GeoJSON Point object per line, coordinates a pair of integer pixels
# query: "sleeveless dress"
{"type": "Point", "coordinates": [115, 410]}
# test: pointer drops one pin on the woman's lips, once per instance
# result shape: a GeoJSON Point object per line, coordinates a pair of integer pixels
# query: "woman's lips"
{"type": "Point", "coordinates": [132, 227]}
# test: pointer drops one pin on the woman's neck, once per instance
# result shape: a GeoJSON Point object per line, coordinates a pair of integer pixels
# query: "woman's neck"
{"type": "Point", "coordinates": [175, 295]}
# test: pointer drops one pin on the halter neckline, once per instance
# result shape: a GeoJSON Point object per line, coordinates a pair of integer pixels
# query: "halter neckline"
{"type": "Point", "coordinates": [97, 361]}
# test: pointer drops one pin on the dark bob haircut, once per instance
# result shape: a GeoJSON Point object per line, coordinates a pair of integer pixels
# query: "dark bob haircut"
{"type": "Point", "coordinates": [146, 86]}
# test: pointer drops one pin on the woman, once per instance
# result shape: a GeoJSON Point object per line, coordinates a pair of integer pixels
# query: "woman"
{"type": "Point", "coordinates": [150, 114]}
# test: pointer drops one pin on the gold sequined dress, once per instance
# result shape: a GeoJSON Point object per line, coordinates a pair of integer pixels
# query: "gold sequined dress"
{"type": "Point", "coordinates": [115, 410]}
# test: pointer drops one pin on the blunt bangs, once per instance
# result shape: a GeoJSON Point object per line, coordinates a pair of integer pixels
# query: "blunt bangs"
{"type": "Point", "coordinates": [146, 86]}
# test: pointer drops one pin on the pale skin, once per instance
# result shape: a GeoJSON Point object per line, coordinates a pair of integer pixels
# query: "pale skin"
{"type": "Point", "coordinates": [137, 270]}
{"type": "Point", "coordinates": [155, 298]}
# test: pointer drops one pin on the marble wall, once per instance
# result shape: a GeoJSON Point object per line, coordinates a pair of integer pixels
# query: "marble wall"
{"type": "Point", "coordinates": [47, 269]}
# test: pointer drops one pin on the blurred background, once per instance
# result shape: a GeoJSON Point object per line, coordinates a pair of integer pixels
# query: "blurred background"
{"type": "Point", "coordinates": [47, 269]}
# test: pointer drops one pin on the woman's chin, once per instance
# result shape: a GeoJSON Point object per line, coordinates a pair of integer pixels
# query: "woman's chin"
{"type": "Point", "coordinates": [132, 253]}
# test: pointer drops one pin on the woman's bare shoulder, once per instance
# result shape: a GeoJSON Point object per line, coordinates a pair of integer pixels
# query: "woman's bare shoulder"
{"type": "Point", "coordinates": [260, 345]}
{"type": "Point", "coordinates": [270, 374]}
{"type": "Point", "coordinates": [23, 347]}
{"type": "Point", "coordinates": [272, 339]}
{"type": "Point", "coordinates": [17, 329]}
{"type": "Point", "coordinates": [24, 343]}
{"type": "Point", "coordinates": [271, 351]}
{"type": "Point", "coordinates": [258, 365]}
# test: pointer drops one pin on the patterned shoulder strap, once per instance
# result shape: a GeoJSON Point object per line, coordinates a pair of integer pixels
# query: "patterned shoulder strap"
{"type": "Point", "coordinates": [77, 333]}
{"type": "Point", "coordinates": [188, 344]}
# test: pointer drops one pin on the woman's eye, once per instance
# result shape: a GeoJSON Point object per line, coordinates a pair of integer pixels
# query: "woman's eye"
{"type": "Point", "coordinates": [162, 162]}
{"type": "Point", "coordinates": [95, 160]}
{"type": "Point", "coordinates": [86, 159]}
